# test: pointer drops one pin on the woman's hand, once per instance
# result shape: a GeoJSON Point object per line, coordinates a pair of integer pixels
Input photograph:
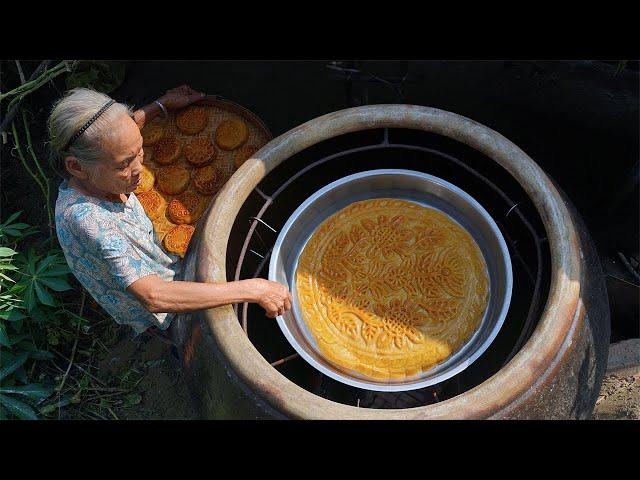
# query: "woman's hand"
{"type": "Point", "coordinates": [272, 296]}
{"type": "Point", "coordinates": [180, 97]}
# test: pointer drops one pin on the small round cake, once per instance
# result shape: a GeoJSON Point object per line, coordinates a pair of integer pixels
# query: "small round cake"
{"type": "Point", "coordinates": [177, 240]}
{"type": "Point", "coordinates": [199, 152]}
{"type": "Point", "coordinates": [167, 150]}
{"type": "Point", "coordinates": [147, 180]}
{"type": "Point", "coordinates": [185, 208]}
{"type": "Point", "coordinates": [206, 180]}
{"type": "Point", "coordinates": [192, 120]}
{"type": "Point", "coordinates": [152, 133]}
{"type": "Point", "coordinates": [173, 179]}
{"type": "Point", "coordinates": [243, 154]}
{"type": "Point", "coordinates": [153, 203]}
{"type": "Point", "coordinates": [231, 134]}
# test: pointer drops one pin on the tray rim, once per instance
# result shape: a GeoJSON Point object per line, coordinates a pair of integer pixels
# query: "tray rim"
{"type": "Point", "coordinates": [413, 383]}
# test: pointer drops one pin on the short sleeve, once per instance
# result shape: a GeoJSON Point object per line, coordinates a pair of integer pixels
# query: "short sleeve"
{"type": "Point", "coordinates": [106, 243]}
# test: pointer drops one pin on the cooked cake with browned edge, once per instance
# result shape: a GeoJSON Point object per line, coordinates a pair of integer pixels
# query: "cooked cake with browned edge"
{"type": "Point", "coordinates": [152, 133]}
{"type": "Point", "coordinates": [177, 240]}
{"type": "Point", "coordinates": [192, 120]}
{"type": "Point", "coordinates": [186, 208]}
{"type": "Point", "coordinates": [199, 151]}
{"type": "Point", "coordinates": [173, 179]}
{"type": "Point", "coordinates": [389, 288]}
{"type": "Point", "coordinates": [231, 134]}
{"type": "Point", "coordinates": [182, 172]}
{"type": "Point", "coordinates": [153, 203]}
{"type": "Point", "coordinates": [147, 180]}
{"type": "Point", "coordinates": [206, 180]}
{"type": "Point", "coordinates": [243, 154]}
{"type": "Point", "coordinates": [167, 150]}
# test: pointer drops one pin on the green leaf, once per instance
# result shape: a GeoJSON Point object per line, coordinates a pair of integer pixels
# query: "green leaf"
{"type": "Point", "coordinates": [50, 260]}
{"type": "Point", "coordinates": [14, 315]}
{"type": "Point", "coordinates": [56, 271]}
{"type": "Point", "coordinates": [36, 391]}
{"type": "Point", "coordinates": [56, 284]}
{"type": "Point", "coordinates": [4, 337]}
{"type": "Point", "coordinates": [18, 408]}
{"type": "Point", "coordinates": [52, 338]}
{"type": "Point", "coordinates": [132, 399]}
{"type": "Point", "coordinates": [17, 339]}
{"type": "Point", "coordinates": [38, 315]}
{"type": "Point", "coordinates": [44, 296]}
{"type": "Point", "coordinates": [29, 298]}
{"type": "Point", "coordinates": [41, 355]}
{"type": "Point", "coordinates": [11, 218]}
{"type": "Point", "coordinates": [52, 407]}
{"type": "Point", "coordinates": [11, 231]}
{"type": "Point", "coordinates": [32, 259]}
{"type": "Point", "coordinates": [48, 409]}
{"type": "Point", "coordinates": [19, 226]}
{"type": "Point", "coordinates": [13, 364]}
{"type": "Point", "coordinates": [7, 252]}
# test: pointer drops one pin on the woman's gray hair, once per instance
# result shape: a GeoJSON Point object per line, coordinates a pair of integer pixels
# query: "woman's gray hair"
{"type": "Point", "coordinates": [71, 112]}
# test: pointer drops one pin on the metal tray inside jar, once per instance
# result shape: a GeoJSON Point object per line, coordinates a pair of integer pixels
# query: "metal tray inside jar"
{"type": "Point", "coordinates": [413, 186]}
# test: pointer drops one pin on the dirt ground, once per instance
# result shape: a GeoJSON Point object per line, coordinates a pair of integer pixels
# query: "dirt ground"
{"type": "Point", "coordinates": [620, 393]}
{"type": "Point", "coordinates": [162, 387]}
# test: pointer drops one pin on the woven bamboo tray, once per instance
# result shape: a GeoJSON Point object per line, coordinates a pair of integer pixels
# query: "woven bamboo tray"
{"type": "Point", "coordinates": [219, 109]}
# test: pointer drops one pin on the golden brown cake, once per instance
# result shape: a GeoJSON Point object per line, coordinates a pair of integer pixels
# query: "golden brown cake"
{"type": "Point", "coordinates": [185, 208]}
{"type": "Point", "coordinates": [166, 150]}
{"type": "Point", "coordinates": [192, 120]}
{"type": "Point", "coordinates": [177, 240]}
{"type": "Point", "coordinates": [243, 154]}
{"type": "Point", "coordinates": [206, 180]}
{"type": "Point", "coordinates": [199, 151]}
{"type": "Point", "coordinates": [152, 133]}
{"type": "Point", "coordinates": [147, 180]}
{"type": "Point", "coordinates": [153, 203]}
{"type": "Point", "coordinates": [231, 134]}
{"type": "Point", "coordinates": [173, 179]}
{"type": "Point", "coordinates": [390, 288]}
{"type": "Point", "coordinates": [162, 225]}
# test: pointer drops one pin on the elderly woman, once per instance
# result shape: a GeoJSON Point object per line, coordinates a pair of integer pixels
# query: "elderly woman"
{"type": "Point", "coordinates": [108, 240]}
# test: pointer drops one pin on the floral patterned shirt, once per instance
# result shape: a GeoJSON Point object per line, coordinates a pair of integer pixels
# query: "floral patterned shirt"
{"type": "Point", "coordinates": [110, 245]}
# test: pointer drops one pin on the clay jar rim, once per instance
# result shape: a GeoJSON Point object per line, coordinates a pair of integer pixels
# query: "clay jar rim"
{"type": "Point", "coordinates": [535, 363]}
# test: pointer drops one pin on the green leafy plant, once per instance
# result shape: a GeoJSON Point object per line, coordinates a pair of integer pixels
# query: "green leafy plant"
{"type": "Point", "coordinates": [49, 351]}
{"type": "Point", "coordinates": [99, 75]}
{"type": "Point", "coordinates": [18, 289]}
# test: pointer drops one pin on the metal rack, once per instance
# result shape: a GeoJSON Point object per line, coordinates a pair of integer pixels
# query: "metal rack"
{"type": "Point", "coordinates": [511, 209]}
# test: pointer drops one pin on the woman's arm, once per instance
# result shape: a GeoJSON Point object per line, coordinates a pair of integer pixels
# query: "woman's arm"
{"type": "Point", "coordinates": [145, 114]}
{"type": "Point", "coordinates": [159, 296]}
{"type": "Point", "coordinates": [173, 99]}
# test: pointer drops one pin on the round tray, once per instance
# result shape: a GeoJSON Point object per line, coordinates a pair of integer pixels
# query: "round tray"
{"type": "Point", "coordinates": [221, 109]}
{"type": "Point", "coordinates": [425, 190]}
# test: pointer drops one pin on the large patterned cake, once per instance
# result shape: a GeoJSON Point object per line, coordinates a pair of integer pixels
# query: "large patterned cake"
{"type": "Point", "coordinates": [390, 288]}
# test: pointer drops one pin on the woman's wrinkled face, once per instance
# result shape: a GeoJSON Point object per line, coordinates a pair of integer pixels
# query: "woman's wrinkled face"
{"type": "Point", "coordinates": [119, 170]}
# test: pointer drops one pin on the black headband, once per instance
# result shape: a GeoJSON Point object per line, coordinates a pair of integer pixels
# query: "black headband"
{"type": "Point", "coordinates": [88, 124]}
